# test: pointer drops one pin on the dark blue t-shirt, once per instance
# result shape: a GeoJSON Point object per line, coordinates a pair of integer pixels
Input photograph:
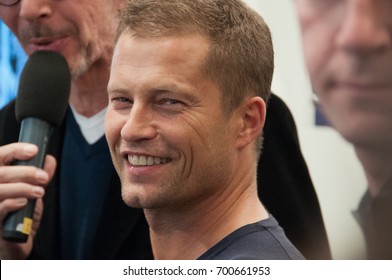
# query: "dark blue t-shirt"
{"type": "Point", "coordinates": [264, 240]}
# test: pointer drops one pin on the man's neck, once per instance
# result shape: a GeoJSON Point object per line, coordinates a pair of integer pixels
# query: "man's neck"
{"type": "Point", "coordinates": [376, 162]}
{"type": "Point", "coordinates": [188, 233]}
{"type": "Point", "coordinates": [88, 91]}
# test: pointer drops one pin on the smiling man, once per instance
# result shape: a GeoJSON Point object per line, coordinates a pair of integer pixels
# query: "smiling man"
{"type": "Point", "coordinates": [83, 216]}
{"type": "Point", "coordinates": [187, 92]}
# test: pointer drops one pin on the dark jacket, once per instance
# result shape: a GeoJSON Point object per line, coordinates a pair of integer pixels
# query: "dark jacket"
{"type": "Point", "coordinates": [284, 187]}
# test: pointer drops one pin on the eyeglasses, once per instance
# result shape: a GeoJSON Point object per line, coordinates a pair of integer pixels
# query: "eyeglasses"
{"type": "Point", "coordinates": [8, 3]}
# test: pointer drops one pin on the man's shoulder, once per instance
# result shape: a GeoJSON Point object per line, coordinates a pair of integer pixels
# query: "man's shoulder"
{"type": "Point", "coordinates": [8, 109]}
{"type": "Point", "coordinates": [263, 240]}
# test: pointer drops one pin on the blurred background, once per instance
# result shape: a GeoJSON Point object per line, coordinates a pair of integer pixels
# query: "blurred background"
{"type": "Point", "coordinates": [12, 59]}
{"type": "Point", "coordinates": [333, 166]}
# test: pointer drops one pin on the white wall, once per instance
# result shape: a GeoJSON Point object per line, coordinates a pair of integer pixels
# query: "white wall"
{"type": "Point", "coordinates": [334, 168]}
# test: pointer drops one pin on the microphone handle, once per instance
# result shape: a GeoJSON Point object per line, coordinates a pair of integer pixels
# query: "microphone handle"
{"type": "Point", "coordinates": [17, 225]}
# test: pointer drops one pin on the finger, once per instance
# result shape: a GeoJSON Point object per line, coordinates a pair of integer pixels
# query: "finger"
{"type": "Point", "coordinates": [16, 151]}
{"type": "Point", "coordinates": [10, 205]}
{"type": "Point", "coordinates": [20, 190]}
{"type": "Point", "coordinates": [38, 211]}
{"type": "Point", "coordinates": [23, 173]}
{"type": "Point", "coordinates": [50, 165]}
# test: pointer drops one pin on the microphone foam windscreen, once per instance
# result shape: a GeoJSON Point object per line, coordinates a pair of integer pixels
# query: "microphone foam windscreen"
{"type": "Point", "coordinates": [44, 88]}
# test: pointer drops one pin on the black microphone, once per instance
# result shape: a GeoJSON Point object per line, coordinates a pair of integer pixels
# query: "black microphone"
{"type": "Point", "coordinates": [40, 106]}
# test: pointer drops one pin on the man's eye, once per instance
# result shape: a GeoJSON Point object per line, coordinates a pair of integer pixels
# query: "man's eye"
{"type": "Point", "coordinates": [121, 99]}
{"type": "Point", "coordinates": [121, 103]}
{"type": "Point", "coordinates": [171, 105]}
{"type": "Point", "coordinates": [171, 102]}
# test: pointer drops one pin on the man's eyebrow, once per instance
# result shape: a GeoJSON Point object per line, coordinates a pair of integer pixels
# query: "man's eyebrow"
{"type": "Point", "coordinates": [117, 89]}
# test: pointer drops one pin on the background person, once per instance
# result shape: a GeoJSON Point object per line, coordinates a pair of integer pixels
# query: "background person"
{"type": "Point", "coordinates": [84, 217]}
{"type": "Point", "coordinates": [348, 51]}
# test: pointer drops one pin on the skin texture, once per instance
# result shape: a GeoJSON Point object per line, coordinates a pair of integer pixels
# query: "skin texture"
{"type": "Point", "coordinates": [348, 52]}
{"type": "Point", "coordinates": [162, 106]}
{"type": "Point", "coordinates": [83, 31]}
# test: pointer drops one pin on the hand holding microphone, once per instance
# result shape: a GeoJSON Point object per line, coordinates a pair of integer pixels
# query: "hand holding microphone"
{"type": "Point", "coordinates": [40, 106]}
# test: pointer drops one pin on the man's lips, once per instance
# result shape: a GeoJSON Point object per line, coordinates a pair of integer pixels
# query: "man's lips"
{"type": "Point", "coordinates": [144, 159]}
{"type": "Point", "coordinates": [362, 88]}
{"type": "Point", "coordinates": [367, 85]}
{"type": "Point", "coordinates": [49, 44]}
{"type": "Point", "coordinates": [137, 160]}
{"type": "Point", "coordinates": [143, 164]}
{"type": "Point", "coordinates": [41, 41]}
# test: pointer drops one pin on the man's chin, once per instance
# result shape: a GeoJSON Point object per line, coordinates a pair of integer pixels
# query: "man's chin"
{"type": "Point", "coordinates": [132, 201]}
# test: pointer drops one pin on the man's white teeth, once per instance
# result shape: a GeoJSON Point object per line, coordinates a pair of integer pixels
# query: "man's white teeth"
{"type": "Point", "coordinates": [146, 161]}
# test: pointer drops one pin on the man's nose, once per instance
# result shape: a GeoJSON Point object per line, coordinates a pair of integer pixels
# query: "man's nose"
{"type": "Point", "coordinates": [365, 28]}
{"type": "Point", "coordinates": [139, 125]}
{"type": "Point", "coordinates": [35, 10]}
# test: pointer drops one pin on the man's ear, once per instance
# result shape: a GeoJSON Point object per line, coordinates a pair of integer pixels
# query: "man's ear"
{"type": "Point", "coordinates": [253, 118]}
